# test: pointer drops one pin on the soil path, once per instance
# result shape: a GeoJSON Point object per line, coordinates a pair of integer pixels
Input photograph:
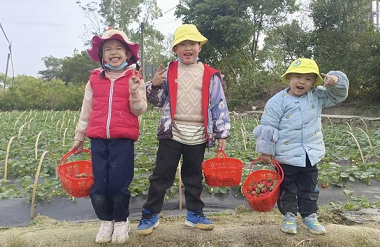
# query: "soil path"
{"type": "Point", "coordinates": [236, 230]}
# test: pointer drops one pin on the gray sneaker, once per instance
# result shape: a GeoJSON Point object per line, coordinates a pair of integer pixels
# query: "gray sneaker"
{"type": "Point", "coordinates": [311, 222]}
{"type": "Point", "coordinates": [289, 224]}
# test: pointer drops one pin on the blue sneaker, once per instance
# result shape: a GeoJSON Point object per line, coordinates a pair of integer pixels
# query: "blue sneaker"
{"type": "Point", "coordinates": [311, 222]}
{"type": "Point", "coordinates": [289, 224]}
{"type": "Point", "coordinates": [199, 220]}
{"type": "Point", "coordinates": [147, 223]}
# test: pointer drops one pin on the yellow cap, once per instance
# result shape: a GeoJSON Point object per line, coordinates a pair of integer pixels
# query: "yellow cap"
{"type": "Point", "coordinates": [303, 66]}
{"type": "Point", "coordinates": [188, 32]}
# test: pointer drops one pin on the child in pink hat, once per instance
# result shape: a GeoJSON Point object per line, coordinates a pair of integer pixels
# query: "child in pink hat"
{"type": "Point", "coordinates": [115, 96]}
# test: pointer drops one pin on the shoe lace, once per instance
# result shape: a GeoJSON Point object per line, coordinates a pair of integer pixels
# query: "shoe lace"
{"type": "Point", "coordinates": [146, 217]}
{"type": "Point", "coordinates": [313, 218]}
{"type": "Point", "coordinates": [105, 227]}
{"type": "Point", "coordinates": [199, 213]}
{"type": "Point", "coordinates": [289, 219]}
{"type": "Point", "coordinates": [120, 227]}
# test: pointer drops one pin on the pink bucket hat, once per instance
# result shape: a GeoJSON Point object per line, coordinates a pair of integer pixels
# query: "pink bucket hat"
{"type": "Point", "coordinates": [113, 34]}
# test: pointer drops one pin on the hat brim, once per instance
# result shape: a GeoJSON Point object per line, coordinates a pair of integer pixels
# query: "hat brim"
{"type": "Point", "coordinates": [97, 43]}
{"type": "Point", "coordinates": [197, 38]}
{"type": "Point", "coordinates": [317, 83]}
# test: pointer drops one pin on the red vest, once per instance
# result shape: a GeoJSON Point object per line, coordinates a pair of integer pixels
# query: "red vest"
{"type": "Point", "coordinates": [173, 88]}
{"type": "Point", "coordinates": [110, 115]}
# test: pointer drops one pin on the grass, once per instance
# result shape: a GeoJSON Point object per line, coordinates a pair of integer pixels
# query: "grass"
{"type": "Point", "coordinates": [241, 228]}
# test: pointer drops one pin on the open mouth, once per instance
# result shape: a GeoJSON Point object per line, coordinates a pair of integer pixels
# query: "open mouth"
{"type": "Point", "coordinates": [114, 59]}
{"type": "Point", "coordinates": [300, 88]}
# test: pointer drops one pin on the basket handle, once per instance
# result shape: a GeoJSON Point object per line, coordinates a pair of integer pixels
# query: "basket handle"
{"type": "Point", "coordinates": [64, 158]}
{"type": "Point", "coordinates": [275, 163]}
{"type": "Point", "coordinates": [220, 154]}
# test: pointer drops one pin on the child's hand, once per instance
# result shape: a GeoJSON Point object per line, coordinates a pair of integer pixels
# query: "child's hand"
{"type": "Point", "coordinates": [159, 76]}
{"type": "Point", "coordinates": [134, 81]}
{"type": "Point", "coordinates": [222, 143]}
{"type": "Point", "coordinates": [78, 145]}
{"type": "Point", "coordinates": [267, 159]}
{"type": "Point", "coordinates": [329, 80]}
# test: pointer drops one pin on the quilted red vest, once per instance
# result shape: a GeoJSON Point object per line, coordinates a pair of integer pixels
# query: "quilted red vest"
{"type": "Point", "coordinates": [173, 88]}
{"type": "Point", "coordinates": [111, 116]}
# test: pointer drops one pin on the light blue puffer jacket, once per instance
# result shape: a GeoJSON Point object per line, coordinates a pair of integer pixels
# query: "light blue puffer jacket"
{"type": "Point", "coordinates": [290, 127]}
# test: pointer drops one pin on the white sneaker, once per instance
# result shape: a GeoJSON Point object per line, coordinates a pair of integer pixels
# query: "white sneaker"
{"type": "Point", "coordinates": [121, 232]}
{"type": "Point", "coordinates": [105, 232]}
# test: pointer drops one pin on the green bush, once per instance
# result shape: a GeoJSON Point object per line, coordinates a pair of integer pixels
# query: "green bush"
{"type": "Point", "coordinates": [29, 93]}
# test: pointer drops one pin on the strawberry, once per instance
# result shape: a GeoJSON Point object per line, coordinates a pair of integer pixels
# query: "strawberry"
{"type": "Point", "coordinates": [262, 187]}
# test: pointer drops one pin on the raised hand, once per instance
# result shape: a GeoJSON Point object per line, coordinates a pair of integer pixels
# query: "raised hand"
{"type": "Point", "coordinates": [159, 76]}
{"type": "Point", "coordinates": [134, 81]}
{"type": "Point", "coordinates": [329, 80]}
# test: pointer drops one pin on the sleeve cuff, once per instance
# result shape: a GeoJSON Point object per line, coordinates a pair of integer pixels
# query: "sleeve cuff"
{"type": "Point", "coordinates": [79, 136]}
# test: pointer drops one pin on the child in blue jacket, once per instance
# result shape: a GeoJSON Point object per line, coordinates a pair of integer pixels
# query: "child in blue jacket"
{"type": "Point", "coordinates": [290, 132]}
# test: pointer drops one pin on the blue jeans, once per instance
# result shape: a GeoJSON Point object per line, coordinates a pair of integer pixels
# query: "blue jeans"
{"type": "Point", "coordinates": [113, 169]}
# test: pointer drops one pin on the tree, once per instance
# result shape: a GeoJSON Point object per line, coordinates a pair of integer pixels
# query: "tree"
{"type": "Point", "coordinates": [77, 69]}
{"type": "Point", "coordinates": [234, 29]}
{"type": "Point", "coordinates": [345, 39]}
{"type": "Point", "coordinates": [53, 66]}
{"type": "Point", "coordinates": [234, 26]}
{"type": "Point", "coordinates": [74, 69]}
{"type": "Point", "coordinates": [285, 43]}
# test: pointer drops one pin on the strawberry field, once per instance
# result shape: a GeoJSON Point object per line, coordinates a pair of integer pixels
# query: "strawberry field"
{"type": "Point", "coordinates": [33, 142]}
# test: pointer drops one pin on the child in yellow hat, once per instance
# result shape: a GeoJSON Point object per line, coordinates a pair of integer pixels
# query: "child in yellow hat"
{"type": "Point", "coordinates": [290, 132]}
{"type": "Point", "coordinates": [194, 113]}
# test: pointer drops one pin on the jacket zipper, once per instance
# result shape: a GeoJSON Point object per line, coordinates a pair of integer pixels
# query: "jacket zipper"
{"type": "Point", "coordinates": [110, 98]}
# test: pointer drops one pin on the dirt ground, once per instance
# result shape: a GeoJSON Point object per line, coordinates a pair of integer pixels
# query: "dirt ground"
{"type": "Point", "coordinates": [241, 228]}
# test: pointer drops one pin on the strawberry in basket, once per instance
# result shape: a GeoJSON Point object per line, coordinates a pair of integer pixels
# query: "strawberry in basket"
{"type": "Point", "coordinates": [261, 187]}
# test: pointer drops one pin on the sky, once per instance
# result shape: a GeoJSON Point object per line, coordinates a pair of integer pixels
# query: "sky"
{"type": "Point", "coordinates": [42, 28]}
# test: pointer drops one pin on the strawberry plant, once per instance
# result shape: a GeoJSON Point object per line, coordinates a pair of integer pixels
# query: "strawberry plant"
{"type": "Point", "coordinates": [352, 153]}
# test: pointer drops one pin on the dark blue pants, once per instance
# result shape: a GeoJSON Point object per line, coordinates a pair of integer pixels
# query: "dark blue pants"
{"type": "Point", "coordinates": [299, 190]}
{"type": "Point", "coordinates": [168, 155]}
{"type": "Point", "coordinates": [113, 168]}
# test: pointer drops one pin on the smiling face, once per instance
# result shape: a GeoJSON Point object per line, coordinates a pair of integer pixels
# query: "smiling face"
{"type": "Point", "coordinates": [300, 83]}
{"type": "Point", "coordinates": [115, 53]}
{"type": "Point", "coordinates": [187, 51]}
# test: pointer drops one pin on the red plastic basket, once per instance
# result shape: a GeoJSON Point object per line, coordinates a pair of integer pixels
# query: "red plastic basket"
{"type": "Point", "coordinates": [76, 177]}
{"type": "Point", "coordinates": [222, 171]}
{"type": "Point", "coordinates": [265, 203]}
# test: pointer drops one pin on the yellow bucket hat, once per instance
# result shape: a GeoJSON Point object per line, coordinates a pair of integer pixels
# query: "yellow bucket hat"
{"type": "Point", "coordinates": [303, 66]}
{"type": "Point", "coordinates": [188, 32]}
